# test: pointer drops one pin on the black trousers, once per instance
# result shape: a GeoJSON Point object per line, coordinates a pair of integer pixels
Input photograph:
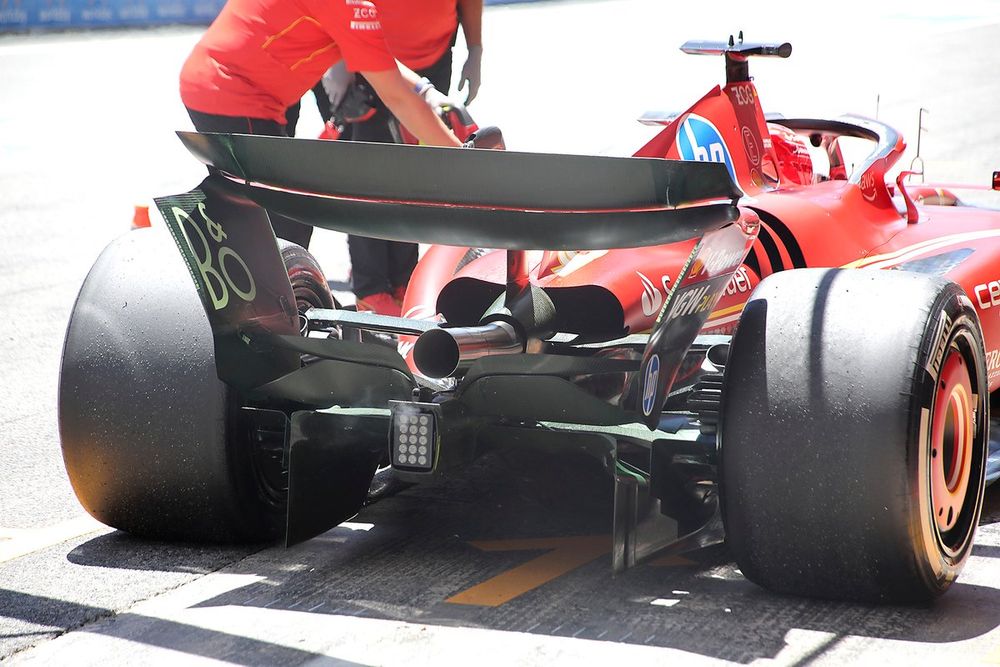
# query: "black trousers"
{"type": "Point", "coordinates": [378, 265]}
{"type": "Point", "coordinates": [284, 228]}
{"type": "Point", "coordinates": [322, 104]}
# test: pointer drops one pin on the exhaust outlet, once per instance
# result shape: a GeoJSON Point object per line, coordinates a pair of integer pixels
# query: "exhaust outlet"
{"type": "Point", "coordinates": [439, 353]}
{"type": "Point", "coordinates": [718, 354]}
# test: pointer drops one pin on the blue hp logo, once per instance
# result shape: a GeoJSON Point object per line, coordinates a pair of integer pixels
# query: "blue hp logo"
{"type": "Point", "coordinates": [698, 140]}
{"type": "Point", "coordinates": [650, 383]}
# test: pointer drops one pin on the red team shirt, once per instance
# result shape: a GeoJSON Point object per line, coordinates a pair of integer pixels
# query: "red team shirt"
{"type": "Point", "coordinates": [418, 31]}
{"type": "Point", "coordinates": [259, 56]}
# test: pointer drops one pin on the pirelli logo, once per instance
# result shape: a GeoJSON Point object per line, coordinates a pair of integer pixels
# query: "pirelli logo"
{"type": "Point", "coordinates": [941, 335]}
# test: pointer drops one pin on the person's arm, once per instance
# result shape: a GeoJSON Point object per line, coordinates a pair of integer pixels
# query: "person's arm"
{"type": "Point", "coordinates": [397, 90]}
{"type": "Point", "coordinates": [470, 15]}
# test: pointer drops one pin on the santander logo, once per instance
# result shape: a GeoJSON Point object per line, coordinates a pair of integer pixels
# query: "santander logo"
{"type": "Point", "coordinates": [652, 298]}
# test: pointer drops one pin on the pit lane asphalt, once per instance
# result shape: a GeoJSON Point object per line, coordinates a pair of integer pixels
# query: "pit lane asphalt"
{"type": "Point", "coordinates": [85, 133]}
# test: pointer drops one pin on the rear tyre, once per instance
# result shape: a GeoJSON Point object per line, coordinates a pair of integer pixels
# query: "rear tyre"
{"type": "Point", "coordinates": [853, 435]}
{"type": "Point", "coordinates": [308, 282]}
{"type": "Point", "coordinates": [153, 442]}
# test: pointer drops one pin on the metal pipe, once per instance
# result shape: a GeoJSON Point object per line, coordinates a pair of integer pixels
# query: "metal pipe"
{"type": "Point", "coordinates": [439, 353]}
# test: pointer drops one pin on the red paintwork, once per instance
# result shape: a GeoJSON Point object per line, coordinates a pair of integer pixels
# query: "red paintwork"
{"type": "Point", "coordinates": [951, 442]}
{"type": "Point", "coordinates": [792, 154]}
{"type": "Point", "coordinates": [856, 221]}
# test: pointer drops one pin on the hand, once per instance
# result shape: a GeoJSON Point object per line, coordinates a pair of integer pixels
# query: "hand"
{"type": "Point", "coordinates": [402, 95]}
{"type": "Point", "coordinates": [437, 100]}
{"type": "Point", "coordinates": [336, 80]}
{"type": "Point", "coordinates": [472, 73]}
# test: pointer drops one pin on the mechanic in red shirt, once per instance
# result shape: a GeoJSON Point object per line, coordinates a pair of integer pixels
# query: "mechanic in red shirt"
{"type": "Point", "coordinates": [259, 56]}
{"type": "Point", "coordinates": [421, 36]}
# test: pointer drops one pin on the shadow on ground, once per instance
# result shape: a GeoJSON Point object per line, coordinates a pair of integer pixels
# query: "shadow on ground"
{"type": "Point", "coordinates": [406, 556]}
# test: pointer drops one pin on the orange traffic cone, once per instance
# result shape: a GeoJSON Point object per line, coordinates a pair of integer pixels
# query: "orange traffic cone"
{"type": "Point", "coordinates": [140, 218]}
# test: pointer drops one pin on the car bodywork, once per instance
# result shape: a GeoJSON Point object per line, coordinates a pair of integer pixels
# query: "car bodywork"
{"type": "Point", "coordinates": [862, 219]}
{"type": "Point", "coordinates": [583, 284]}
{"type": "Point", "coordinates": [574, 303]}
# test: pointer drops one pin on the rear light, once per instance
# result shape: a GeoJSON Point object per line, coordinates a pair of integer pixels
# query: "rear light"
{"type": "Point", "coordinates": [414, 435]}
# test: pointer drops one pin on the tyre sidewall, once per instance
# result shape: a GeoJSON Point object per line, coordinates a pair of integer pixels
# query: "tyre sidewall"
{"type": "Point", "coordinates": [150, 436]}
{"type": "Point", "coordinates": [956, 328]}
{"type": "Point", "coordinates": [822, 438]}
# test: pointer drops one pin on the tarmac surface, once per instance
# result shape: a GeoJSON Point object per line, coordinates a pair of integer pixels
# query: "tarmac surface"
{"type": "Point", "coordinates": [506, 564]}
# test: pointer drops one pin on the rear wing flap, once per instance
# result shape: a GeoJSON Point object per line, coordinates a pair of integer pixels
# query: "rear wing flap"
{"type": "Point", "coordinates": [495, 199]}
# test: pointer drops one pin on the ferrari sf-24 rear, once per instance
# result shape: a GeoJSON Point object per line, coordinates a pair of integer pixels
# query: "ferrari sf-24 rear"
{"type": "Point", "coordinates": [704, 318]}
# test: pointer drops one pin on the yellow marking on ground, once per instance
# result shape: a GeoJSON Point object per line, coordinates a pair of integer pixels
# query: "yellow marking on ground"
{"type": "Point", "coordinates": [17, 542]}
{"type": "Point", "coordinates": [672, 561]}
{"type": "Point", "coordinates": [564, 554]}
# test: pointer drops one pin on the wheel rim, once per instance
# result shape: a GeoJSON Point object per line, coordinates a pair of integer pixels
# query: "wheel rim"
{"type": "Point", "coordinates": [305, 298]}
{"type": "Point", "coordinates": [952, 442]}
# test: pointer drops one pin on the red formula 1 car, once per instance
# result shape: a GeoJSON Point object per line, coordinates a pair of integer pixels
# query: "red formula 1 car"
{"type": "Point", "coordinates": [668, 314]}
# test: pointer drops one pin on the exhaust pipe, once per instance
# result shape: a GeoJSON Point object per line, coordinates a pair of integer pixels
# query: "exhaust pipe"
{"type": "Point", "coordinates": [439, 353]}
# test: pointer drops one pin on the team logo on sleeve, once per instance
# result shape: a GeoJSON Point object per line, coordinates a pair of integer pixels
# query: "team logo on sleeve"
{"type": "Point", "coordinates": [364, 15]}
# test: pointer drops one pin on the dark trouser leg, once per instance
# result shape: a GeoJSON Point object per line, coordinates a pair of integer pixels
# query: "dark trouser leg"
{"type": "Point", "coordinates": [402, 261]}
{"type": "Point", "coordinates": [369, 265]}
{"type": "Point", "coordinates": [284, 228]}
{"type": "Point", "coordinates": [377, 265]}
{"type": "Point", "coordinates": [382, 266]}
{"type": "Point", "coordinates": [210, 122]}
{"type": "Point", "coordinates": [292, 118]}
{"type": "Point", "coordinates": [440, 73]}
{"type": "Point", "coordinates": [293, 112]}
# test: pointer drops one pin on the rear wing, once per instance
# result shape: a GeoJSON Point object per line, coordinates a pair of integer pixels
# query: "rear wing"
{"type": "Point", "coordinates": [493, 199]}
{"type": "Point", "coordinates": [478, 198]}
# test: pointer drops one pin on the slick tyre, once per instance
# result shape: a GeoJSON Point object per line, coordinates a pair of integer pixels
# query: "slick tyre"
{"type": "Point", "coordinates": [853, 435]}
{"type": "Point", "coordinates": [308, 281]}
{"type": "Point", "coordinates": [153, 442]}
